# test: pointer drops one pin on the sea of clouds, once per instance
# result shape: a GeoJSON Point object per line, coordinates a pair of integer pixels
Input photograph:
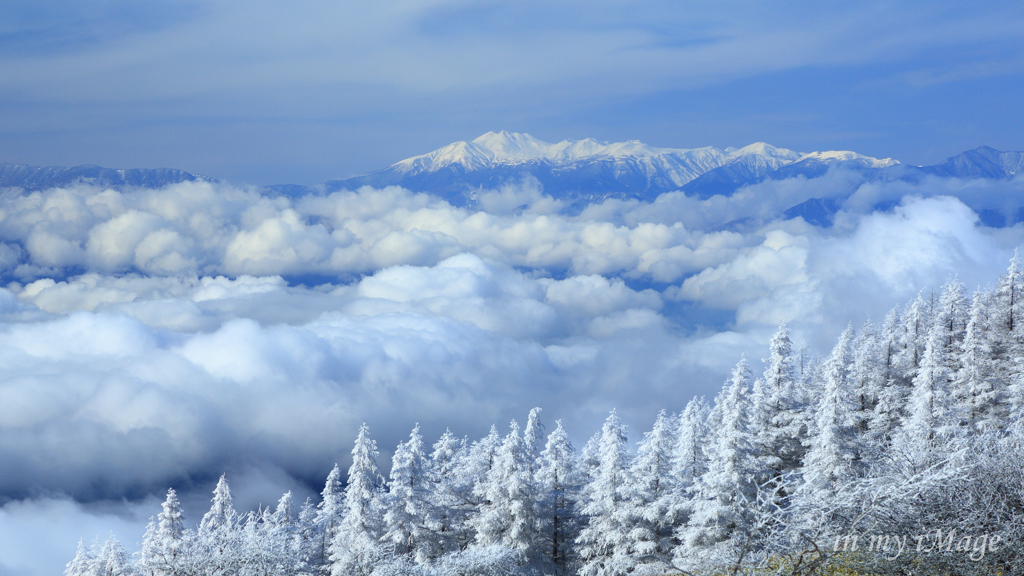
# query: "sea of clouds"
{"type": "Point", "coordinates": [156, 338]}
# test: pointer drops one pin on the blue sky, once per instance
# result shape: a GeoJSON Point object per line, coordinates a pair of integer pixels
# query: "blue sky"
{"type": "Point", "coordinates": [305, 91]}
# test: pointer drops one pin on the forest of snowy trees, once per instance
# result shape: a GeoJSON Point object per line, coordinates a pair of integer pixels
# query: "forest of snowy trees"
{"type": "Point", "coordinates": [900, 452]}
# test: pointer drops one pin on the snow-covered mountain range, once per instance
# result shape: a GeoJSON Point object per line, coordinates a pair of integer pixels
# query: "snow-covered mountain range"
{"type": "Point", "coordinates": [580, 172]}
{"type": "Point", "coordinates": [588, 170]}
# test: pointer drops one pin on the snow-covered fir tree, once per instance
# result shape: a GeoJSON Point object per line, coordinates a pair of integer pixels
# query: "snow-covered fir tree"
{"type": "Point", "coordinates": [328, 515]}
{"type": "Point", "coordinates": [648, 487]}
{"type": "Point", "coordinates": [931, 414]}
{"type": "Point", "coordinates": [533, 438]}
{"type": "Point", "coordinates": [408, 517]}
{"type": "Point", "coordinates": [558, 484]}
{"type": "Point", "coordinates": [113, 560]}
{"type": "Point", "coordinates": [775, 416]}
{"type": "Point", "coordinates": [164, 544]}
{"type": "Point", "coordinates": [603, 542]}
{"type": "Point", "coordinates": [450, 495]}
{"type": "Point", "coordinates": [835, 453]}
{"type": "Point", "coordinates": [84, 562]}
{"type": "Point", "coordinates": [355, 547]}
{"type": "Point", "coordinates": [508, 514]}
{"type": "Point", "coordinates": [725, 494]}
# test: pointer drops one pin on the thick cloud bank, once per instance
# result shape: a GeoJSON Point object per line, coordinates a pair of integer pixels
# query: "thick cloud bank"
{"type": "Point", "coordinates": [160, 337]}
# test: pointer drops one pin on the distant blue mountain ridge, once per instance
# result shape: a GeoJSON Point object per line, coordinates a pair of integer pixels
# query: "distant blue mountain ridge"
{"type": "Point", "coordinates": [581, 172]}
{"type": "Point", "coordinates": [43, 177]}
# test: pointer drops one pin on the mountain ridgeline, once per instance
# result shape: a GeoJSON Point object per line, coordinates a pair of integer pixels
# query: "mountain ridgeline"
{"type": "Point", "coordinates": [587, 170]}
{"type": "Point", "coordinates": [582, 172]}
{"type": "Point", "coordinates": [31, 178]}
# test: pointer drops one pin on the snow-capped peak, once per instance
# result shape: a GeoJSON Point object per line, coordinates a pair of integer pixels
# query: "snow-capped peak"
{"type": "Point", "coordinates": [670, 166]}
{"type": "Point", "coordinates": [847, 156]}
{"type": "Point", "coordinates": [513, 147]}
{"type": "Point", "coordinates": [763, 149]}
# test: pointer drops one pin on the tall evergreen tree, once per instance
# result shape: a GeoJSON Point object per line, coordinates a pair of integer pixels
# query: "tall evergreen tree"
{"type": "Point", "coordinates": [601, 542]}
{"type": "Point", "coordinates": [834, 457]}
{"type": "Point", "coordinates": [533, 437]}
{"type": "Point", "coordinates": [508, 515]}
{"type": "Point", "coordinates": [689, 459]}
{"type": "Point", "coordinates": [328, 516]}
{"type": "Point", "coordinates": [284, 513]}
{"type": "Point", "coordinates": [647, 487]}
{"type": "Point", "coordinates": [217, 531]}
{"type": "Point", "coordinates": [1007, 322]}
{"type": "Point", "coordinates": [892, 398]}
{"type": "Point", "coordinates": [778, 430]}
{"type": "Point", "coordinates": [917, 322]}
{"type": "Point", "coordinates": [451, 498]}
{"type": "Point", "coordinates": [354, 548]}
{"type": "Point", "coordinates": [930, 408]}
{"type": "Point", "coordinates": [867, 376]}
{"type": "Point", "coordinates": [113, 560]}
{"type": "Point", "coordinates": [975, 386]}
{"type": "Point", "coordinates": [406, 522]}
{"type": "Point", "coordinates": [84, 563]}
{"type": "Point", "coordinates": [725, 495]}
{"type": "Point", "coordinates": [164, 546]}
{"type": "Point", "coordinates": [222, 513]}
{"type": "Point", "coordinates": [479, 461]}
{"type": "Point", "coordinates": [559, 483]}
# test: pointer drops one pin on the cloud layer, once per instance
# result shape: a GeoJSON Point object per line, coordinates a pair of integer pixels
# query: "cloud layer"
{"type": "Point", "coordinates": [162, 337]}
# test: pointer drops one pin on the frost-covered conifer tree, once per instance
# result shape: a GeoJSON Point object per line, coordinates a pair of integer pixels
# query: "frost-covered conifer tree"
{"type": "Point", "coordinates": [725, 495]}
{"type": "Point", "coordinates": [834, 457]}
{"type": "Point", "coordinates": [602, 543]}
{"type": "Point", "coordinates": [533, 437]}
{"type": "Point", "coordinates": [214, 544]}
{"type": "Point", "coordinates": [164, 545]}
{"type": "Point", "coordinates": [649, 482]}
{"type": "Point", "coordinates": [508, 514]}
{"type": "Point", "coordinates": [892, 398]}
{"type": "Point", "coordinates": [1008, 303]}
{"type": "Point", "coordinates": [307, 539]}
{"type": "Point", "coordinates": [113, 560]}
{"type": "Point", "coordinates": [776, 424]}
{"type": "Point", "coordinates": [84, 563]}
{"type": "Point", "coordinates": [1006, 325]}
{"type": "Point", "coordinates": [479, 461]}
{"type": "Point", "coordinates": [355, 548]}
{"type": "Point", "coordinates": [283, 535]}
{"type": "Point", "coordinates": [930, 409]}
{"type": "Point", "coordinates": [590, 458]}
{"type": "Point", "coordinates": [450, 495]}
{"type": "Point", "coordinates": [559, 483]}
{"type": "Point", "coordinates": [917, 322]}
{"type": "Point", "coordinates": [950, 319]}
{"type": "Point", "coordinates": [689, 459]}
{"type": "Point", "coordinates": [867, 377]}
{"type": "Point", "coordinates": [252, 550]}
{"type": "Point", "coordinates": [284, 513]}
{"type": "Point", "coordinates": [975, 387]}
{"type": "Point", "coordinates": [328, 516]}
{"type": "Point", "coordinates": [408, 501]}
{"type": "Point", "coordinates": [222, 512]}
